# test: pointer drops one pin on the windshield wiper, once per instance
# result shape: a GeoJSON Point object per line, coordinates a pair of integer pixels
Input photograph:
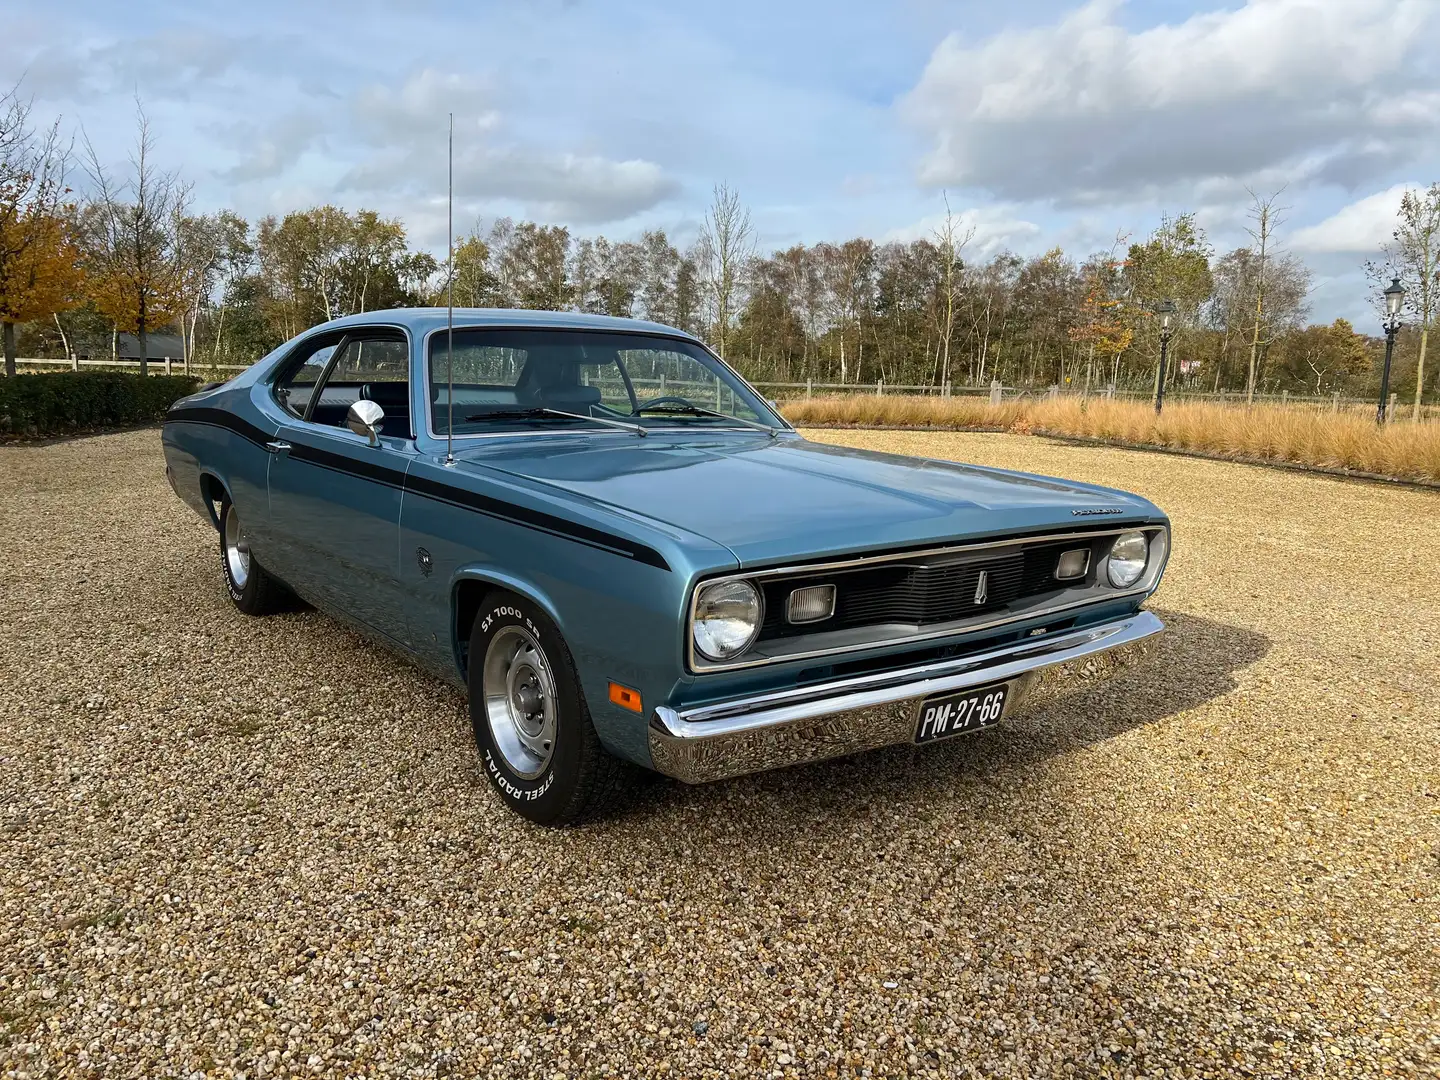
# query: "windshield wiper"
{"type": "Point", "coordinates": [538, 413]}
{"type": "Point", "coordinates": [696, 410]}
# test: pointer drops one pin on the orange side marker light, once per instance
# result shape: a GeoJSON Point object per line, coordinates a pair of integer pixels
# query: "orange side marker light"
{"type": "Point", "coordinates": [625, 697]}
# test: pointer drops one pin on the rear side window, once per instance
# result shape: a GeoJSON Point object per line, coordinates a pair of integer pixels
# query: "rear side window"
{"type": "Point", "coordinates": [368, 364]}
{"type": "Point", "coordinates": [295, 389]}
{"type": "Point", "coordinates": [377, 369]}
{"type": "Point", "coordinates": [368, 360]}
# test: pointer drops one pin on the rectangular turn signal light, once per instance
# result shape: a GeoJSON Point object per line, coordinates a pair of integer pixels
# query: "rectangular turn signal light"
{"type": "Point", "coordinates": [625, 697]}
{"type": "Point", "coordinates": [1073, 564]}
{"type": "Point", "coordinates": [815, 603]}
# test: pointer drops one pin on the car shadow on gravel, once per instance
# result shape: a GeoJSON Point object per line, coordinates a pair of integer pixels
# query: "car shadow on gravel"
{"type": "Point", "coordinates": [1193, 662]}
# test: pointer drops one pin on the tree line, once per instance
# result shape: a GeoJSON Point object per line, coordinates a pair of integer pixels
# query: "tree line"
{"type": "Point", "coordinates": [131, 256]}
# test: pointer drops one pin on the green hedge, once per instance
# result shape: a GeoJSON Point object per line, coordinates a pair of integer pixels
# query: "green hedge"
{"type": "Point", "coordinates": [66, 402]}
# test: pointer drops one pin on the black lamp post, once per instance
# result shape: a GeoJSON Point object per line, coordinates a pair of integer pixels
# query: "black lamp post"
{"type": "Point", "coordinates": [1394, 297]}
{"type": "Point", "coordinates": [1166, 311]}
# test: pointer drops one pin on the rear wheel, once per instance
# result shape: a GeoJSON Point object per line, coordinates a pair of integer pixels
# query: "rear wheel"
{"type": "Point", "coordinates": [253, 590]}
{"type": "Point", "coordinates": [537, 744]}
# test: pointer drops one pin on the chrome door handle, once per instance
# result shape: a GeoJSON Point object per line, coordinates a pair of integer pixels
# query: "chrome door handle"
{"type": "Point", "coordinates": [277, 447]}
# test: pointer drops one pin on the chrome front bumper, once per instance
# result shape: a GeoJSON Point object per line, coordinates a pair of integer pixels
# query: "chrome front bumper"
{"type": "Point", "coordinates": [787, 727]}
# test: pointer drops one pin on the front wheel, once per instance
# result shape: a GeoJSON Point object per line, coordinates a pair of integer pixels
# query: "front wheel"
{"type": "Point", "coordinates": [532, 727]}
{"type": "Point", "coordinates": [253, 590]}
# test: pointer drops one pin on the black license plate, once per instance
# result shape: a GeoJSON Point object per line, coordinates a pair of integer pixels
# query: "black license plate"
{"type": "Point", "coordinates": [945, 715]}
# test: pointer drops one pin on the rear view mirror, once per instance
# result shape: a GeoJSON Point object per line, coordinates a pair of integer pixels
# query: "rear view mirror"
{"type": "Point", "coordinates": [365, 418]}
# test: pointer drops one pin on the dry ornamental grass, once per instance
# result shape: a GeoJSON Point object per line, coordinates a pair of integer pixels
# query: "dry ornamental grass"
{"type": "Point", "coordinates": [1300, 436]}
{"type": "Point", "coordinates": [263, 847]}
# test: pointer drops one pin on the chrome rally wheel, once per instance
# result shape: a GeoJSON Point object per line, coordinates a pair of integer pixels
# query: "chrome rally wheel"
{"type": "Point", "coordinates": [538, 745]}
{"type": "Point", "coordinates": [253, 590]}
{"type": "Point", "coordinates": [237, 551]}
{"type": "Point", "coordinates": [521, 707]}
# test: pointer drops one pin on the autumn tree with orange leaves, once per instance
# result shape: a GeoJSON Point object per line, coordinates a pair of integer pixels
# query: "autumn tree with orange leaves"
{"type": "Point", "coordinates": [39, 262]}
{"type": "Point", "coordinates": [1102, 324]}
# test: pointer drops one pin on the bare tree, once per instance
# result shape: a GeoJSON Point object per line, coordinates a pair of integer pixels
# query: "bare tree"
{"type": "Point", "coordinates": [199, 252]}
{"type": "Point", "coordinates": [499, 240]}
{"type": "Point", "coordinates": [1413, 256]}
{"type": "Point", "coordinates": [1266, 216]}
{"type": "Point", "coordinates": [847, 275]}
{"type": "Point", "coordinates": [137, 270]}
{"type": "Point", "coordinates": [726, 244]}
{"type": "Point", "coordinates": [236, 261]}
{"type": "Point", "coordinates": [950, 239]}
{"type": "Point", "coordinates": [1231, 309]}
{"type": "Point", "coordinates": [659, 264]}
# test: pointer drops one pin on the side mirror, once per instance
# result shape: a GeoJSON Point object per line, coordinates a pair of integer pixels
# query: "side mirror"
{"type": "Point", "coordinates": [365, 418]}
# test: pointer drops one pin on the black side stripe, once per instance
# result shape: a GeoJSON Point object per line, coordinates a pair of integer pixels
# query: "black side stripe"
{"type": "Point", "coordinates": [366, 470]}
{"type": "Point", "coordinates": [451, 494]}
{"type": "Point", "coordinates": [534, 519]}
{"type": "Point", "coordinates": [220, 418]}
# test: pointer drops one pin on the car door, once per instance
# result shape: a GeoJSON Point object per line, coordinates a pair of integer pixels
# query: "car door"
{"type": "Point", "coordinates": [335, 499]}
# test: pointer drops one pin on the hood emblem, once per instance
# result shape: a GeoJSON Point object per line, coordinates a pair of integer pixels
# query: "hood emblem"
{"type": "Point", "coordinates": [1092, 511]}
{"type": "Point", "coordinates": [982, 587]}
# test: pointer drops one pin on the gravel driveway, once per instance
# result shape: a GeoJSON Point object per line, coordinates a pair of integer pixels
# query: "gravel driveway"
{"type": "Point", "coordinates": [233, 846]}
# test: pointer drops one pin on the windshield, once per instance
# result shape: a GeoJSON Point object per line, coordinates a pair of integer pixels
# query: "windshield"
{"type": "Point", "coordinates": [504, 379]}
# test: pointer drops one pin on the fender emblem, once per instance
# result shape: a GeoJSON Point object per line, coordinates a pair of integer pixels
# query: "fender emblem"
{"type": "Point", "coordinates": [426, 563]}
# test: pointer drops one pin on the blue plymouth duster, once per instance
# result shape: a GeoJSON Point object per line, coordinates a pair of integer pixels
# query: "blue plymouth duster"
{"type": "Point", "coordinates": [629, 558]}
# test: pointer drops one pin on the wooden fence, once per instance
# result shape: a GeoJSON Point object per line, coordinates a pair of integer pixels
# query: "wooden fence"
{"type": "Point", "coordinates": [158, 365]}
{"type": "Point", "coordinates": [995, 391]}
{"type": "Point", "coordinates": [998, 393]}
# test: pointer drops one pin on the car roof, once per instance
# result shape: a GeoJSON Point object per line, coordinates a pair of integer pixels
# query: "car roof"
{"type": "Point", "coordinates": [421, 321]}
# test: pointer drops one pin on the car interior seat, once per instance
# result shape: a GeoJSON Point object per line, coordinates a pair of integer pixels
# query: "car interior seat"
{"type": "Point", "coordinates": [555, 385]}
{"type": "Point", "coordinates": [394, 398]}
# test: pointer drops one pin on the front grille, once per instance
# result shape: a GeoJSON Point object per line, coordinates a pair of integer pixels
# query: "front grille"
{"type": "Point", "coordinates": [933, 589]}
{"type": "Point", "coordinates": [929, 594]}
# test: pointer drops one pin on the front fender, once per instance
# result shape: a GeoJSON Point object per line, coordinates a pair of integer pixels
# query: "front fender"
{"type": "Point", "coordinates": [463, 604]}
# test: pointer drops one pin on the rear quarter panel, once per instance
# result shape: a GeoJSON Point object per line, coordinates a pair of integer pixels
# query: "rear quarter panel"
{"type": "Point", "coordinates": [219, 437]}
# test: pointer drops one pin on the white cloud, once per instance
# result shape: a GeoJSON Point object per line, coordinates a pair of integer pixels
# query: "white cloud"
{"type": "Point", "coordinates": [572, 188]}
{"type": "Point", "coordinates": [268, 152]}
{"type": "Point", "coordinates": [995, 228]}
{"type": "Point", "coordinates": [167, 63]}
{"type": "Point", "coordinates": [401, 130]}
{"type": "Point", "coordinates": [420, 105]}
{"type": "Point", "coordinates": [1360, 227]}
{"type": "Point", "coordinates": [1086, 109]}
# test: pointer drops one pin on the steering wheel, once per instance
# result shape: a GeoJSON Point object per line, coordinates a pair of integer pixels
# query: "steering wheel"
{"type": "Point", "coordinates": [669, 398]}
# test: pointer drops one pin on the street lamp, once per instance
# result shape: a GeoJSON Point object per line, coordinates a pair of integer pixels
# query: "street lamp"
{"type": "Point", "coordinates": [1394, 297]}
{"type": "Point", "coordinates": [1166, 311]}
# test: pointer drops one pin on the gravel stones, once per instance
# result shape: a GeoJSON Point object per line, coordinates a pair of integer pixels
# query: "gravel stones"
{"type": "Point", "coordinates": [232, 846]}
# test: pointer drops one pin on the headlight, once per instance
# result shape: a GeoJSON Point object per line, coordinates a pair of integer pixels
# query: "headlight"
{"type": "Point", "coordinates": [727, 618]}
{"type": "Point", "coordinates": [1127, 559]}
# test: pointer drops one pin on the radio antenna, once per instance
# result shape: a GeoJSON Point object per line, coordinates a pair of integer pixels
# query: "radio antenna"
{"type": "Point", "coordinates": [450, 299]}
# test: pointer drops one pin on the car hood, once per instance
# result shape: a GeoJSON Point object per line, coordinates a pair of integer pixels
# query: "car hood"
{"type": "Point", "coordinates": [773, 500]}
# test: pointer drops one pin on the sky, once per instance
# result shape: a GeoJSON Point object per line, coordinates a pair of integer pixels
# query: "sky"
{"type": "Point", "coordinates": [1039, 122]}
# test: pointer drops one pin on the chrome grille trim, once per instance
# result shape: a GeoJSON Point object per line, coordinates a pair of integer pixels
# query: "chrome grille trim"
{"type": "Point", "coordinates": [1102, 593]}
